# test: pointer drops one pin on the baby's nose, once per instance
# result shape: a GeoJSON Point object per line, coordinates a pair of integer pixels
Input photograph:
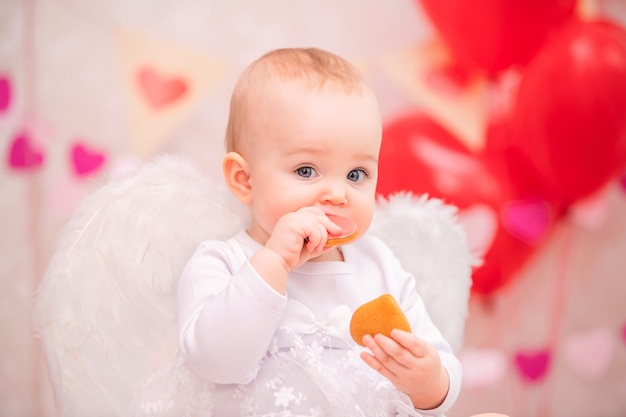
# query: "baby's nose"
{"type": "Point", "coordinates": [335, 193]}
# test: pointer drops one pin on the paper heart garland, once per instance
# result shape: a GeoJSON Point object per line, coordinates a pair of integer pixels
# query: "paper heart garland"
{"type": "Point", "coordinates": [158, 89]}
{"type": "Point", "coordinates": [482, 367]}
{"type": "Point", "coordinates": [23, 154]}
{"type": "Point", "coordinates": [533, 366]}
{"type": "Point", "coordinates": [589, 353]}
{"type": "Point", "coordinates": [5, 94]}
{"type": "Point", "coordinates": [85, 161]}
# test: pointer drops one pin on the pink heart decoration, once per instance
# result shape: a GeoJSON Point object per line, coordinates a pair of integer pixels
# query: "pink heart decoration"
{"type": "Point", "coordinates": [480, 223]}
{"type": "Point", "coordinates": [624, 333]}
{"type": "Point", "coordinates": [23, 156]}
{"type": "Point", "coordinates": [86, 161]}
{"type": "Point", "coordinates": [482, 367]}
{"type": "Point", "coordinates": [533, 366]}
{"type": "Point", "coordinates": [590, 353]}
{"type": "Point", "coordinates": [5, 94]}
{"type": "Point", "coordinates": [160, 90]}
{"type": "Point", "coordinates": [527, 220]}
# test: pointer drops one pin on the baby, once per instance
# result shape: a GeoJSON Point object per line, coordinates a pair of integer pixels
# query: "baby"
{"type": "Point", "coordinates": [264, 316]}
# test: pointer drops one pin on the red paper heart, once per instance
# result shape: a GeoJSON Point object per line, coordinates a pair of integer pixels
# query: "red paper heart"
{"type": "Point", "coordinates": [5, 94]}
{"type": "Point", "coordinates": [158, 89]}
{"type": "Point", "coordinates": [86, 161]}
{"type": "Point", "coordinates": [533, 366]}
{"type": "Point", "coordinates": [23, 156]}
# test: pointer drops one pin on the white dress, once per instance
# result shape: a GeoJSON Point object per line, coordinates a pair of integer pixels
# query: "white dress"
{"type": "Point", "coordinates": [250, 351]}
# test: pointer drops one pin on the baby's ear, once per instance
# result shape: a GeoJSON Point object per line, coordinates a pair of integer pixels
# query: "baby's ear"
{"type": "Point", "coordinates": [237, 176]}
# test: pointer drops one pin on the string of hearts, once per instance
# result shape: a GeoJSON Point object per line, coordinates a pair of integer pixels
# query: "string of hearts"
{"type": "Point", "coordinates": [26, 150]}
{"type": "Point", "coordinates": [25, 154]}
{"type": "Point", "coordinates": [588, 353]}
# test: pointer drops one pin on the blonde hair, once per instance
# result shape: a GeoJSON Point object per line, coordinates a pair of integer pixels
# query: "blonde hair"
{"type": "Point", "coordinates": [315, 68]}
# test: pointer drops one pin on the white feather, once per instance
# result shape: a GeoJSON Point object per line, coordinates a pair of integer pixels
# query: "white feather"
{"type": "Point", "coordinates": [427, 238]}
{"type": "Point", "coordinates": [106, 308]}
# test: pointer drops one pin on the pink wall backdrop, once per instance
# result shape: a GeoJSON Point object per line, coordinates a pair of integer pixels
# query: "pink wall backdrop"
{"type": "Point", "coordinates": [91, 89]}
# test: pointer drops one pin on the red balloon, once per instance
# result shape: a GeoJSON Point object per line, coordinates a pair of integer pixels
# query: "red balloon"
{"type": "Point", "coordinates": [420, 156]}
{"type": "Point", "coordinates": [507, 157]}
{"type": "Point", "coordinates": [569, 118]}
{"type": "Point", "coordinates": [492, 35]}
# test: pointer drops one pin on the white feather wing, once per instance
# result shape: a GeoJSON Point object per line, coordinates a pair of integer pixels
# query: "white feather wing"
{"type": "Point", "coordinates": [106, 308]}
{"type": "Point", "coordinates": [427, 238]}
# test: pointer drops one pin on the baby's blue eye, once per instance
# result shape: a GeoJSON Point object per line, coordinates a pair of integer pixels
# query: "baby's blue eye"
{"type": "Point", "coordinates": [357, 175]}
{"type": "Point", "coordinates": [306, 172]}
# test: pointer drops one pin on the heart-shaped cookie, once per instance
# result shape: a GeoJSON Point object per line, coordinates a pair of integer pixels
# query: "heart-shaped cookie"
{"type": "Point", "coordinates": [380, 315]}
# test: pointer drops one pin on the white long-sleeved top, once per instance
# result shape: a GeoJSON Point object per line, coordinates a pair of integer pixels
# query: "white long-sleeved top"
{"type": "Point", "coordinates": [264, 353]}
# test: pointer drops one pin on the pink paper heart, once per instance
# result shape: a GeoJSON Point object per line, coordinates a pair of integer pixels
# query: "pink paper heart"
{"type": "Point", "coordinates": [527, 220]}
{"type": "Point", "coordinates": [532, 366]}
{"type": "Point", "coordinates": [480, 223]}
{"type": "Point", "coordinates": [5, 94]}
{"type": "Point", "coordinates": [482, 367]}
{"type": "Point", "coordinates": [624, 333]}
{"type": "Point", "coordinates": [23, 156]}
{"type": "Point", "coordinates": [86, 161]}
{"type": "Point", "coordinates": [590, 353]}
{"type": "Point", "coordinates": [158, 89]}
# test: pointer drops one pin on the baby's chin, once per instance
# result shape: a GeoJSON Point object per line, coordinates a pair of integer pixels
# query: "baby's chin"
{"type": "Point", "coordinates": [331, 254]}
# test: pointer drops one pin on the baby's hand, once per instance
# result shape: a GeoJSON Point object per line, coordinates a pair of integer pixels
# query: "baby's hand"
{"type": "Point", "coordinates": [301, 235]}
{"type": "Point", "coordinates": [296, 238]}
{"type": "Point", "coordinates": [411, 364]}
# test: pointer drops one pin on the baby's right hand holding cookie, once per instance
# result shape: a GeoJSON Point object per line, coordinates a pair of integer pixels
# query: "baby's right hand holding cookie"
{"type": "Point", "coordinates": [301, 235]}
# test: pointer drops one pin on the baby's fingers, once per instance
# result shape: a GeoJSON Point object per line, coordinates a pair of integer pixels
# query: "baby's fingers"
{"type": "Point", "coordinates": [378, 360]}
{"type": "Point", "coordinates": [389, 354]}
{"type": "Point", "coordinates": [410, 342]}
{"type": "Point", "coordinates": [316, 238]}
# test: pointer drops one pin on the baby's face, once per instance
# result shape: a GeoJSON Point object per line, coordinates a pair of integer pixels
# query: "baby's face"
{"type": "Point", "coordinates": [313, 148]}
